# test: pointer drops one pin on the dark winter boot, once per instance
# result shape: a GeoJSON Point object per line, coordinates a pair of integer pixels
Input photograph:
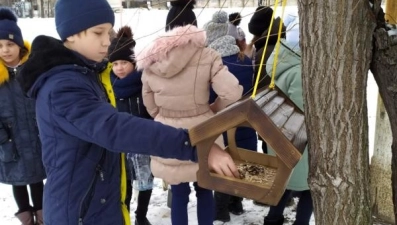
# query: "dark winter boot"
{"type": "Point", "coordinates": [25, 217]}
{"type": "Point", "coordinates": [268, 221]}
{"type": "Point", "coordinates": [221, 207]}
{"type": "Point", "coordinates": [39, 217]}
{"type": "Point", "coordinates": [236, 205]}
{"type": "Point", "coordinates": [142, 208]}
{"type": "Point", "coordinates": [142, 222]}
{"type": "Point", "coordinates": [128, 195]}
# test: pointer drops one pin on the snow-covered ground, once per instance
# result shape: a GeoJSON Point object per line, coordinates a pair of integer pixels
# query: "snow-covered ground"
{"type": "Point", "coordinates": [159, 213]}
{"type": "Point", "coordinates": [146, 25]}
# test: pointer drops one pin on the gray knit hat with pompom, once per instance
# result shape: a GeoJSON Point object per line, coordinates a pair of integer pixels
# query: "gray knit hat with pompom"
{"type": "Point", "coordinates": [217, 27]}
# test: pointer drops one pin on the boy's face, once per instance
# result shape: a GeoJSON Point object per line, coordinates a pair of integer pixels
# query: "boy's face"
{"type": "Point", "coordinates": [121, 68]}
{"type": "Point", "coordinates": [92, 43]}
{"type": "Point", "coordinates": [9, 52]}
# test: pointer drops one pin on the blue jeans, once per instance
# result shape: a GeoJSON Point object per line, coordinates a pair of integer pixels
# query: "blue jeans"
{"type": "Point", "coordinates": [140, 171]}
{"type": "Point", "coordinates": [304, 209]}
{"type": "Point", "coordinates": [180, 199]}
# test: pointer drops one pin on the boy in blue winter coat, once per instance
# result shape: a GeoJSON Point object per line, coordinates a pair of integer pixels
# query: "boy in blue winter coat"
{"type": "Point", "coordinates": [82, 134]}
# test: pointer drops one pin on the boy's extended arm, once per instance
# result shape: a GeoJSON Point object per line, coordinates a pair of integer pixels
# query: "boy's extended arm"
{"type": "Point", "coordinates": [81, 113]}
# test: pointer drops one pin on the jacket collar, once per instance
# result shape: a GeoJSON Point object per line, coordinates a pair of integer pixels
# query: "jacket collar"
{"type": "Point", "coordinates": [42, 60]}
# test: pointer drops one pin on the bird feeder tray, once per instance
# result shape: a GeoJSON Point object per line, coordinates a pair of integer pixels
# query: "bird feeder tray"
{"type": "Point", "coordinates": [281, 125]}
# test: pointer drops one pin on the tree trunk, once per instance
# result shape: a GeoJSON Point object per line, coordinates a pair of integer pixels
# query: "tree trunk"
{"type": "Point", "coordinates": [384, 68]}
{"type": "Point", "coordinates": [336, 43]}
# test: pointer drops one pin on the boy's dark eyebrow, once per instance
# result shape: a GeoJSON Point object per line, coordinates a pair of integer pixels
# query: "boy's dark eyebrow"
{"type": "Point", "coordinates": [99, 28]}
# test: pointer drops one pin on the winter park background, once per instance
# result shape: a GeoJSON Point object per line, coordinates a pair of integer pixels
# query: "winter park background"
{"type": "Point", "coordinates": [146, 25]}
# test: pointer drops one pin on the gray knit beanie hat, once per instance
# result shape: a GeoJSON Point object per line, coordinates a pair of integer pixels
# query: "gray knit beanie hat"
{"type": "Point", "coordinates": [217, 27]}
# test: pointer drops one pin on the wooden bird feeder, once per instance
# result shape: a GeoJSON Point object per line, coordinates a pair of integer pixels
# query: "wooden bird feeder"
{"type": "Point", "coordinates": [278, 121]}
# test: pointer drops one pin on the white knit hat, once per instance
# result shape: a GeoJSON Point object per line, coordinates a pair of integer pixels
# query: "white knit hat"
{"type": "Point", "coordinates": [217, 27]}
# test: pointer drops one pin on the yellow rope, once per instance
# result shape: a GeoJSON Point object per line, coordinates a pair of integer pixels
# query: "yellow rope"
{"type": "Point", "coordinates": [264, 50]}
{"type": "Point", "coordinates": [265, 47]}
{"type": "Point", "coordinates": [277, 48]}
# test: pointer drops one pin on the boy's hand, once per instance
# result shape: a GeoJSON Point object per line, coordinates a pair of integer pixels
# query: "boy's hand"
{"type": "Point", "coordinates": [221, 163]}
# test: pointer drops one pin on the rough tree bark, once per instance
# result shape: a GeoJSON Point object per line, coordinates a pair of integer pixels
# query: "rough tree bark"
{"type": "Point", "coordinates": [336, 43]}
{"type": "Point", "coordinates": [384, 69]}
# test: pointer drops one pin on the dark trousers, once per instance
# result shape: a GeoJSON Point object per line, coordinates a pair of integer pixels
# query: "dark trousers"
{"type": "Point", "coordinates": [304, 209]}
{"type": "Point", "coordinates": [21, 196]}
{"type": "Point", "coordinates": [180, 199]}
{"type": "Point", "coordinates": [264, 147]}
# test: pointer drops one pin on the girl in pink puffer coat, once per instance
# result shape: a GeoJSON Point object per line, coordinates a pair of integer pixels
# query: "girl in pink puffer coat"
{"type": "Point", "coordinates": [178, 71]}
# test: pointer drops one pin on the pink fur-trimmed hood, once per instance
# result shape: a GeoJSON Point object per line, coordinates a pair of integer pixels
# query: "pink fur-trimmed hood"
{"type": "Point", "coordinates": [186, 37]}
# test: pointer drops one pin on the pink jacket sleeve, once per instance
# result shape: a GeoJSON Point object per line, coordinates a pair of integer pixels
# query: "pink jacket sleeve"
{"type": "Point", "coordinates": [148, 97]}
{"type": "Point", "coordinates": [224, 83]}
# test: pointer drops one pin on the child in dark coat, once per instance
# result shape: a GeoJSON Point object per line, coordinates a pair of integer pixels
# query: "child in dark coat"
{"type": "Point", "coordinates": [20, 148]}
{"type": "Point", "coordinates": [127, 87]}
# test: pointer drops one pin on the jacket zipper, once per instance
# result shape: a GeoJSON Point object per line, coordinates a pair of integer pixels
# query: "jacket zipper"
{"type": "Point", "coordinates": [101, 87]}
{"type": "Point", "coordinates": [8, 129]}
{"type": "Point", "coordinates": [139, 109]}
{"type": "Point", "coordinates": [90, 192]}
{"type": "Point", "coordinates": [129, 106]}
